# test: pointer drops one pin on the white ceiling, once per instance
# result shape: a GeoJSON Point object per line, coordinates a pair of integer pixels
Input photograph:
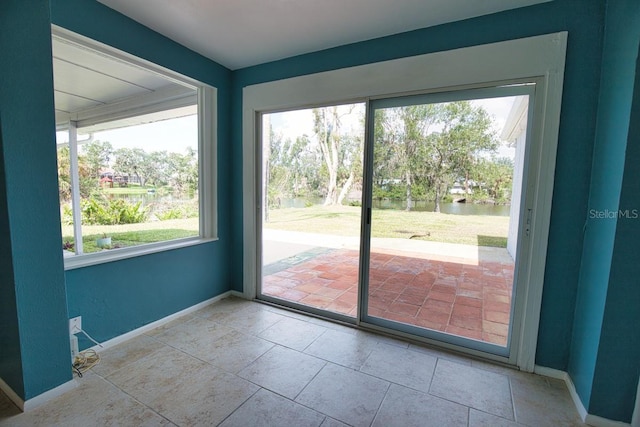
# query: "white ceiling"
{"type": "Point", "coordinates": [241, 33]}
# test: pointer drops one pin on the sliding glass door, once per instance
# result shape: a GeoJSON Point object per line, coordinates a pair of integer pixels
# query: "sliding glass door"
{"type": "Point", "coordinates": [443, 208]}
{"type": "Point", "coordinates": [434, 254]}
{"type": "Point", "coordinates": [312, 171]}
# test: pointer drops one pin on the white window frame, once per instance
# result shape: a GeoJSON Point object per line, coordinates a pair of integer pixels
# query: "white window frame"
{"type": "Point", "coordinates": [206, 99]}
{"type": "Point", "coordinates": [538, 59]}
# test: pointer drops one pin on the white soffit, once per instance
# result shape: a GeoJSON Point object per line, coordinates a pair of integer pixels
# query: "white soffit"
{"type": "Point", "coordinates": [241, 33]}
{"type": "Point", "coordinates": [88, 81]}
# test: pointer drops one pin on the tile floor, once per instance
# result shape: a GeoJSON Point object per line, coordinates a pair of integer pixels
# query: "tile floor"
{"type": "Point", "coordinates": [240, 363]}
{"type": "Point", "coordinates": [473, 301]}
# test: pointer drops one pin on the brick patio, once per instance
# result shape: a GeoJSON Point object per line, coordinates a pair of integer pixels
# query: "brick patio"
{"type": "Point", "coordinates": [472, 300]}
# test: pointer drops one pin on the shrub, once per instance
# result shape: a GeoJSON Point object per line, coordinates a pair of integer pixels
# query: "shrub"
{"type": "Point", "coordinates": [67, 215]}
{"type": "Point", "coordinates": [111, 212]}
{"type": "Point", "coordinates": [173, 213]}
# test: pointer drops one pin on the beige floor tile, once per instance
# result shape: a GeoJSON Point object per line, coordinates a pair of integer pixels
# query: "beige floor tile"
{"type": "Point", "coordinates": [203, 398]}
{"type": "Point", "coordinates": [94, 402]}
{"type": "Point", "coordinates": [217, 368]}
{"type": "Point", "coordinates": [344, 349]}
{"type": "Point", "coordinates": [541, 401]}
{"type": "Point", "coordinates": [344, 394]}
{"type": "Point", "coordinates": [293, 333]}
{"type": "Point", "coordinates": [196, 337]}
{"type": "Point", "coordinates": [330, 422]}
{"type": "Point", "coordinates": [226, 305]}
{"type": "Point", "coordinates": [283, 371]}
{"type": "Point", "coordinates": [401, 366]}
{"type": "Point", "coordinates": [252, 319]}
{"type": "Point", "coordinates": [168, 325]}
{"type": "Point", "coordinates": [482, 419]}
{"type": "Point", "coordinates": [149, 377]}
{"type": "Point", "coordinates": [334, 326]}
{"type": "Point", "coordinates": [403, 407]}
{"type": "Point", "coordinates": [479, 389]}
{"type": "Point", "coordinates": [383, 339]}
{"type": "Point", "coordinates": [183, 389]}
{"type": "Point", "coordinates": [267, 409]}
{"type": "Point", "coordinates": [235, 351]}
{"type": "Point", "coordinates": [124, 354]}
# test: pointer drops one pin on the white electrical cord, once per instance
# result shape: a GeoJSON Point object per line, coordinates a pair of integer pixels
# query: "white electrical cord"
{"type": "Point", "coordinates": [89, 336]}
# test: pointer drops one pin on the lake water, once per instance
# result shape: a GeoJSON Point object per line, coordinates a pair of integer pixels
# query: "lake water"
{"type": "Point", "coordinates": [420, 206]}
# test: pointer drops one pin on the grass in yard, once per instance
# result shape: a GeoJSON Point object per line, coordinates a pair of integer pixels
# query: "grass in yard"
{"type": "Point", "coordinates": [437, 227]}
{"type": "Point", "coordinates": [134, 234]}
{"type": "Point", "coordinates": [126, 190]}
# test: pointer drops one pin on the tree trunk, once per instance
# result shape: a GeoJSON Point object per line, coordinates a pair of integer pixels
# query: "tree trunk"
{"type": "Point", "coordinates": [437, 198]}
{"type": "Point", "coordinates": [408, 181]}
{"type": "Point", "coordinates": [346, 188]}
{"type": "Point", "coordinates": [466, 182]}
{"type": "Point", "coordinates": [332, 189]}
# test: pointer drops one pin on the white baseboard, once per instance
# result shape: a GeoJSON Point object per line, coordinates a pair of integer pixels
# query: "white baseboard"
{"type": "Point", "coordinates": [148, 327]}
{"type": "Point", "coordinates": [48, 395]}
{"type": "Point", "coordinates": [39, 399]}
{"type": "Point", "coordinates": [587, 418]}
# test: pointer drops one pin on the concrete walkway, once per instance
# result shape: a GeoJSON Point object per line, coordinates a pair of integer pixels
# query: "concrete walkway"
{"type": "Point", "coordinates": [279, 244]}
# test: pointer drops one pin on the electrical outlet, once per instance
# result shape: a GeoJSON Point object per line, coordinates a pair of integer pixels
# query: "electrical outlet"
{"type": "Point", "coordinates": [75, 325]}
{"type": "Point", "coordinates": [75, 350]}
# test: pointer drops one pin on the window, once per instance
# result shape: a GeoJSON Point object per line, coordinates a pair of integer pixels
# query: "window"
{"type": "Point", "coordinates": [136, 153]}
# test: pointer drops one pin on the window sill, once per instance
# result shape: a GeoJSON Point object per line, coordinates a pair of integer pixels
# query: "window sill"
{"type": "Point", "coordinates": [85, 260]}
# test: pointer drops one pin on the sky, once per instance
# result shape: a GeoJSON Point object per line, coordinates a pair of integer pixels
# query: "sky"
{"type": "Point", "coordinates": [291, 124]}
{"type": "Point", "coordinates": [173, 135]}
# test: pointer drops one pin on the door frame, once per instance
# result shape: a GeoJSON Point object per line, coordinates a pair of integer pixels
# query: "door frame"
{"type": "Point", "coordinates": [539, 58]}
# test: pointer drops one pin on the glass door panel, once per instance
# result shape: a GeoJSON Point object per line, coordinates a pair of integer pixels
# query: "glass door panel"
{"type": "Point", "coordinates": [311, 208]}
{"type": "Point", "coordinates": [445, 215]}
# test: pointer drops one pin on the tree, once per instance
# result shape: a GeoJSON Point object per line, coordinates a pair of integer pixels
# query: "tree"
{"type": "Point", "coordinates": [466, 132]}
{"type": "Point", "coordinates": [128, 161]}
{"type": "Point", "coordinates": [433, 144]}
{"type": "Point", "coordinates": [341, 152]}
{"type": "Point", "coordinates": [404, 130]}
{"type": "Point", "coordinates": [97, 155]}
{"type": "Point", "coordinates": [496, 176]}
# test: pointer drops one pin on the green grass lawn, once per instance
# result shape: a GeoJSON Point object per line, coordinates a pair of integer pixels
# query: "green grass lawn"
{"type": "Point", "coordinates": [337, 220]}
{"type": "Point", "coordinates": [432, 226]}
{"type": "Point", "coordinates": [126, 190]}
{"type": "Point", "coordinates": [134, 234]}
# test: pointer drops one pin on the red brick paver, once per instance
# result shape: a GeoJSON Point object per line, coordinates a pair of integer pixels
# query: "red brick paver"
{"type": "Point", "coordinates": [473, 301]}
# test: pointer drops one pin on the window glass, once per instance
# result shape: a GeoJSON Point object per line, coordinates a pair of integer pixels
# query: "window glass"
{"type": "Point", "coordinates": [138, 184]}
{"type": "Point", "coordinates": [135, 159]}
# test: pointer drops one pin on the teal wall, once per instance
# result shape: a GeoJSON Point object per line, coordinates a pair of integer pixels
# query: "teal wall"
{"type": "Point", "coordinates": [10, 366]}
{"type": "Point", "coordinates": [113, 298]}
{"type": "Point", "coordinates": [619, 354]}
{"type": "Point", "coordinates": [118, 297]}
{"type": "Point", "coordinates": [38, 358]}
{"type": "Point", "coordinates": [601, 363]}
{"type": "Point", "coordinates": [583, 20]}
